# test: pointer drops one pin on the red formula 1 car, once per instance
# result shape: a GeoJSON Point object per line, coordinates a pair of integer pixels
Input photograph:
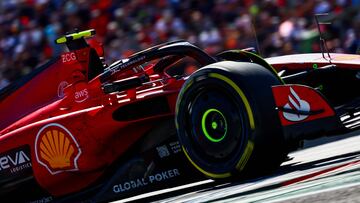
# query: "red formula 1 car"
{"type": "Point", "coordinates": [77, 129]}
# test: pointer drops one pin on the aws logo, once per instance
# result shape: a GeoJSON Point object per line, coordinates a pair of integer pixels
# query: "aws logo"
{"type": "Point", "coordinates": [81, 95]}
{"type": "Point", "coordinates": [56, 149]}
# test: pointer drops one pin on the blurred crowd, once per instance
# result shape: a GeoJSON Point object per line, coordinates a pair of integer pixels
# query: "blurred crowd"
{"type": "Point", "coordinates": [28, 28]}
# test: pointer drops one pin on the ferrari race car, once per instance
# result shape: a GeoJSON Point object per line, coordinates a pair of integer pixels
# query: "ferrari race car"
{"type": "Point", "coordinates": [77, 129]}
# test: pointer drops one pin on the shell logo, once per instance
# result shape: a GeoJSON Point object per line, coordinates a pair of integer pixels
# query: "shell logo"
{"type": "Point", "coordinates": [56, 149]}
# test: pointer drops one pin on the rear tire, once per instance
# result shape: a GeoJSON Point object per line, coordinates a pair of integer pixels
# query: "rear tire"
{"type": "Point", "coordinates": [226, 120]}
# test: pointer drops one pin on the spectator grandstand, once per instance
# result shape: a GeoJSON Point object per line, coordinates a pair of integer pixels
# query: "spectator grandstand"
{"type": "Point", "coordinates": [28, 28]}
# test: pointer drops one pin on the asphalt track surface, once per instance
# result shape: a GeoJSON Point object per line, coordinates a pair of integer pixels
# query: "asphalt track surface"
{"type": "Point", "coordinates": [326, 170]}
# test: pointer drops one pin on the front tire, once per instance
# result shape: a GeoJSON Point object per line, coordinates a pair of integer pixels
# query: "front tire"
{"type": "Point", "coordinates": [226, 120]}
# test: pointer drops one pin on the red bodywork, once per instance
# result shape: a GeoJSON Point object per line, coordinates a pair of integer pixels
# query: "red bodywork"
{"type": "Point", "coordinates": [306, 111]}
{"type": "Point", "coordinates": [300, 98]}
{"type": "Point", "coordinates": [73, 137]}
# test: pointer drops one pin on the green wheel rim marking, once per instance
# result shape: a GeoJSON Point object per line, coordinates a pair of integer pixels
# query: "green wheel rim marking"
{"type": "Point", "coordinates": [214, 125]}
{"type": "Point", "coordinates": [315, 66]}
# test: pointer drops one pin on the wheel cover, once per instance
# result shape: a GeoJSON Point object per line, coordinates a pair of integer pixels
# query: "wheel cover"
{"type": "Point", "coordinates": [214, 125]}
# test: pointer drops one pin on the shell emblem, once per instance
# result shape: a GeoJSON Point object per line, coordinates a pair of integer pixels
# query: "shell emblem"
{"type": "Point", "coordinates": [56, 149]}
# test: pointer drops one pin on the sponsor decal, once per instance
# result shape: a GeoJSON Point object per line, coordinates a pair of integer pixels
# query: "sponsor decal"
{"type": "Point", "coordinates": [68, 57]}
{"type": "Point", "coordinates": [43, 200]}
{"type": "Point", "coordinates": [168, 149]}
{"type": "Point", "coordinates": [61, 88]}
{"type": "Point", "coordinates": [125, 64]}
{"type": "Point", "coordinates": [298, 105]}
{"type": "Point", "coordinates": [141, 182]}
{"type": "Point", "coordinates": [163, 151]}
{"type": "Point", "coordinates": [82, 95]}
{"type": "Point", "coordinates": [175, 147]}
{"type": "Point", "coordinates": [56, 149]}
{"type": "Point", "coordinates": [15, 162]}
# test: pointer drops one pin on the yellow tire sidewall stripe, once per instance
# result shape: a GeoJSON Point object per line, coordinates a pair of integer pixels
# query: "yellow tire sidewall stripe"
{"type": "Point", "coordinates": [212, 175]}
{"type": "Point", "coordinates": [241, 94]}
